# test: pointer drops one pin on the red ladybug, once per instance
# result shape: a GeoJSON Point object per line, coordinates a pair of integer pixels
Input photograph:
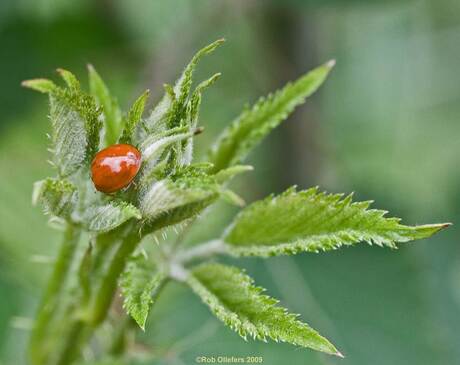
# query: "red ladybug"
{"type": "Point", "coordinates": [114, 167]}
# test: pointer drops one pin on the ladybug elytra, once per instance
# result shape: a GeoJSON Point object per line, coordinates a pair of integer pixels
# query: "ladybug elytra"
{"type": "Point", "coordinates": [114, 167]}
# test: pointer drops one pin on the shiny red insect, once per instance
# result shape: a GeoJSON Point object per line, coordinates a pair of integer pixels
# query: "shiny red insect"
{"type": "Point", "coordinates": [114, 167]}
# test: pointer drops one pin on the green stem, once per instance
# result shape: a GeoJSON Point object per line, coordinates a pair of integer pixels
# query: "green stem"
{"type": "Point", "coordinates": [118, 344]}
{"type": "Point", "coordinates": [104, 295]}
{"type": "Point", "coordinates": [41, 343]}
{"type": "Point", "coordinates": [85, 322]}
{"type": "Point", "coordinates": [75, 339]}
{"type": "Point", "coordinates": [201, 251]}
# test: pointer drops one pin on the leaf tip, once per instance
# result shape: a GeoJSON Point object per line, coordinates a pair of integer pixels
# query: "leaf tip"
{"type": "Point", "coordinates": [440, 226]}
{"type": "Point", "coordinates": [42, 85]}
{"type": "Point", "coordinates": [339, 354]}
{"type": "Point", "coordinates": [330, 63]}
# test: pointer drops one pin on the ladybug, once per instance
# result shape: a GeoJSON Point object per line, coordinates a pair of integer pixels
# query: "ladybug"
{"type": "Point", "coordinates": [114, 167]}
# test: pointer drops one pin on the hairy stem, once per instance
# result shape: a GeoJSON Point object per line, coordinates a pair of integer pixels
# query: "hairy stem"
{"type": "Point", "coordinates": [41, 343]}
{"type": "Point", "coordinates": [201, 251]}
{"type": "Point", "coordinates": [86, 315]}
{"type": "Point", "coordinates": [103, 296]}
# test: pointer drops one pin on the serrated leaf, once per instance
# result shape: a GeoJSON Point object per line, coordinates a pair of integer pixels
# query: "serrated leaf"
{"type": "Point", "coordinates": [111, 110]}
{"type": "Point", "coordinates": [69, 136]}
{"type": "Point", "coordinates": [104, 218]}
{"type": "Point", "coordinates": [156, 121]}
{"type": "Point", "coordinates": [246, 131]}
{"type": "Point", "coordinates": [192, 113]}
{"type": "Point", "coordinates": [184, 83]}
{"type": "Point", "coordinates": [75, 123]}
{"type": "Point", "coordinates": [195, 99]}
{"type": "Point", "coordinates": [167, 202]}
{"type": "Point", "coordinates": [42, 85]}
{"type": "Point", "coordinates": [170, 111]}
{"type": "Point", "coordinates": [310, 221]}
{"type": "Point", "coordinates": [138, 283]}
{"type": "Point", "coordinates": [233, 298]}
{"type": "Point", "coordinates": [58, 197]}
{"type": "Point", "coordinates": [133, 118]}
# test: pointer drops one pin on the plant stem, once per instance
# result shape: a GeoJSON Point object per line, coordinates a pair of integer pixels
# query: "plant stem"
{"type": "Point", "coordinates": [118, 344]}
{"type": "Point", "coordinates": [204, 250]}
{"type": "Point", "coordinates": [104, 295]}
{"type": "Point", "coordinates": [73, 342]}
{"type": "Point", "coordinates": [86, 321]}
{"type": "Point", "coordinates": [41, 343]}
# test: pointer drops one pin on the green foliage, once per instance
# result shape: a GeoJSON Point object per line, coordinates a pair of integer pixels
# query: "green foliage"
{"type": "Point", "coordinates": [227, 174]}
{"type": "Point", "coordinates": [44, 86]}
{"type": "Point", "coordinates": [110, 109]}
{"type": "Point", "coordinates": [170, 190]}
{"type": "Point", "coordinates": [74, 120]}
{"type": "Point", "coordinates": [183, 86]}
{"type": "Point", "coordinates": [69, 135]}
{"type": "Point", "coordinates": [138, 283]}
{"type": "Point", "coordinates": [168, 201]}
{"type": "Point", "coordinates": [133, 118]}
{"type": "Point", "coordinates": [104, 218]}
{"type": "Point", "coordinates": [58, 197]}
{"type": "Point", "coordinates": [246, 131]}
{"type": "Point", "coordinates": [175, 108]}
{"type": "Point", "coordinates": [233, 298]}
{"type": "Point", "coordinates": [69, 78]}
{"type": "Point", "coordinates": [311, 221]}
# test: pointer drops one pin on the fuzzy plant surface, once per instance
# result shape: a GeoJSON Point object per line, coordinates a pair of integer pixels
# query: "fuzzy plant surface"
{"type": "Point", "coordinates": [103, 255]}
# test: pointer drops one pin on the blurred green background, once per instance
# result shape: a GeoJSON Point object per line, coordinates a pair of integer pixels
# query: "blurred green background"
{"type": "Point", "coordinates": [385, 125]}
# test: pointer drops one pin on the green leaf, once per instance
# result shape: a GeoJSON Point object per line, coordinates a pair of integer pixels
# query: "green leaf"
{"type": "Point", "coordinates": [69, 136]}
{"type": "Point", "coordinates": [170, 111]}
{"type": "Point", "coordinates": [156, 146]}
{"type": "Point", "coordinates": [58, 197]}
{"type": "Point", "coordinates": [44, 86]}
{"type": "Point", "coordinates": [138, 283]}
{"type": "Point", "coordinates": [310, 221]}
{"type": "Point", "coordinates": [246, 131]}
{"type": "Point", "coordinates": [168, 201]}
{"type": "Point", "coordinates": [192, 113]}
{"type": "Point", "coordinates": [111, 110]}
{"type": "Point", "coordinates": [184, 83]}
{"type": "Point", "coordinates": [232, 198]}
{"type": "Point", "coordinates": [233, 298]}
{"type": "Point", "coordinates": [106, 217]}
{"type": "Point", "coordinates": [195, 100]}
{"type": "Point", "coordinates": [75, 122]}
{"type": "Point", "coordinates": [156, 121]}
{"type": "Point", "coordinates": [69, 79]}
{"type": "Point", "coordinates": [227, 174]}
{"type": "Point", "coordinates": [133, 118]}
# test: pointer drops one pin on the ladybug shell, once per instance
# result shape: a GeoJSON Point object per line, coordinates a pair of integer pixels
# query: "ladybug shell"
{"type": "Point", "coordinates": [114, 167]}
